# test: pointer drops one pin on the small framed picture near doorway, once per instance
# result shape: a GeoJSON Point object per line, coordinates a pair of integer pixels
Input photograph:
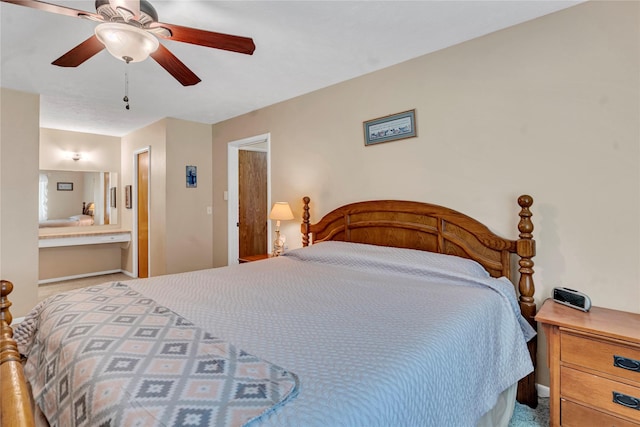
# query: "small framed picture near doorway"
{"type": "Point", "coordinates": [127, 196]}
{"type": "Point", "coordinates": [65, 186]}
{"type": "Point", "coordinates": [192, 176]}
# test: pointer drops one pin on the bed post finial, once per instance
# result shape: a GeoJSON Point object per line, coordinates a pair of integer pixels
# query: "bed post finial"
{"type": "Point", "coordinates": [305, 221]}
{"type": "Point", "coordinates": [8, 347]}
{"type": "Point", "coordinates": [15, 405]}
{"type": "Point", "coordinates": [5, 289]}
{"type": "Point", "coordinates": [526, 249]}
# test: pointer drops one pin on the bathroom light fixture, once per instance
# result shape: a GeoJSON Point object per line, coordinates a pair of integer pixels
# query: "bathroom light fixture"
{"type": "Point", "coordinates": [126, 42]}
{"type": "Point", "coordinates": [280, 212]}
{"type": "Point", "coordinates": [76, 156]}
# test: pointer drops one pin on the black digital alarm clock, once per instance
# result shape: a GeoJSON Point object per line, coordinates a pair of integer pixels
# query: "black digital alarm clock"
{"type": "Point", "coordinates": [571, 298]}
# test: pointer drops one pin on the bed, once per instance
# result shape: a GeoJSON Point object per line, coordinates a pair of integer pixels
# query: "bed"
{"type": "Point", "coordinates": [84, 219]}
{"type": "Point", "coordinates": [414, 352]}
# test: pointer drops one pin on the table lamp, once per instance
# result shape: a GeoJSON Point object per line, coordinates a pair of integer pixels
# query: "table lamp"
{"type": "Point", "coordinates": [280, 212]}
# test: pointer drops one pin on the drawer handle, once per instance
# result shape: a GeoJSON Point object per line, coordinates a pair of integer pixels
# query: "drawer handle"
{"type": "Point", "coordinates": [626, 363]}
{"type": "Point", "coordinates": [626, 400]}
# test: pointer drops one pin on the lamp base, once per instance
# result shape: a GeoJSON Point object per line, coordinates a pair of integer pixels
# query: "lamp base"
{"type": "Point", "coordinates": [278, 244]}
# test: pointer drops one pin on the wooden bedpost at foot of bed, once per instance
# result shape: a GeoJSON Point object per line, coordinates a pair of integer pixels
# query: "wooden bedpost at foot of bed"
{"type": "Point", "coordinates": [15, 403]}
{"type": "Point", "coordinates": [526, 249]}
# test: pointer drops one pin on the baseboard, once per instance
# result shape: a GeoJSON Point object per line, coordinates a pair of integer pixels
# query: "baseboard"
{"type": "Point", "coordinates": [82, 276]}
{"type": "Point", "coordinates": [543, 390]}
{"type": "Point", "coordinates": [128, 273]}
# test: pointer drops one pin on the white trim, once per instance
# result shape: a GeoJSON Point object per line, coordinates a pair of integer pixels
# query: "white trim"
{"type": "Point", "coordinates": [134, 204]}
{"type": "Point", "coordinates": [543, 390]}
{"type": "Point", "coordinates": [232, 191]}
{"type": "Point", "coordinates": [115, 237]}
{"type": "Point", "coordinates": [81, 276]}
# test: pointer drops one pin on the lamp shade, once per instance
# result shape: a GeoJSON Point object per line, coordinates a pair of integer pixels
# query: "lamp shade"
{"type": "Point", "coordinates": [126, 42]}
{"type": "Point", "coordinates": [281, 211]}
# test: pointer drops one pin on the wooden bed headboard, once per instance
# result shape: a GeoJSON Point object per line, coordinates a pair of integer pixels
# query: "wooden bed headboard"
{"type": "Point", "coordinates": [433, 228]}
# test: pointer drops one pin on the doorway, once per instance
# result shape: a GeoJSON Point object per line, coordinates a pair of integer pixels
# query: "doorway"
{"type": "Point", "coordinates": [141, 203]}
{"type": "Point", "coordinates": [260, 146]}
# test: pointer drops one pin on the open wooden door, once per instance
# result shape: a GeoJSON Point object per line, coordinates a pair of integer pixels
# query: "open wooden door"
{"type": "Point", "coordinates": [143, 214]}
{"type": "Point", "coordinates": [252, 202]}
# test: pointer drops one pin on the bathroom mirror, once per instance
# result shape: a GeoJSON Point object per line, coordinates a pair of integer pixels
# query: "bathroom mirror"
{"type": "Point", "coordinates": [72, 198]}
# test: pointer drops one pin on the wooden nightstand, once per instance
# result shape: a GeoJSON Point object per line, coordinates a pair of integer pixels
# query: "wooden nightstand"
{"type": "Point", "coordinates": [594, 361]}
{"type": "Point", "coordinates": [250, 258]}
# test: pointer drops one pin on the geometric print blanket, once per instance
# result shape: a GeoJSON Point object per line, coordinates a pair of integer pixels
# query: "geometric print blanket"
{"type": "Point", "coordinates": [108, 356]}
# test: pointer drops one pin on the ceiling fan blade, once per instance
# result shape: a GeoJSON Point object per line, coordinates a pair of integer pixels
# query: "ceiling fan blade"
{"type": "Point", "coordinates": [80, 53]}
{"type": "Point", "coordinates": [54, 8]}
{"type": "Point", "coordinates": [207, 38]}
{"type": "Point", "coordinates": [174, 66]}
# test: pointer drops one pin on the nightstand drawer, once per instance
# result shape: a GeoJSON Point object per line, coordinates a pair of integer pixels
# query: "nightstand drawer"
{"type": "Point", "coordinates": [596, 391]}
{"type": "Point", "coordinates": [599, 355]}
{"type": "Point", "coordinates": [574, 415]}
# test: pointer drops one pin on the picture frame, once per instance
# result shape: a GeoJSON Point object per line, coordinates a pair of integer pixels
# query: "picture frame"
{"type": "Point", "coordinates": [112, 197]}
{"type": "Point", "coordinates": [192, 176]}
{"type": "Point", "coordinates": [65, 186]}
{"type": "Point", "coordinates": [390, 128]}
{"type": "Point", "coordinates": [127, 196]}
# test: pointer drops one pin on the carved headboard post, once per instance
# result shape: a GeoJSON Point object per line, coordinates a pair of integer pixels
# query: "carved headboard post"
{"type": "Point", "coordinates": [526, 249]}
{"type": "Point", "coordinates": [305, 221]}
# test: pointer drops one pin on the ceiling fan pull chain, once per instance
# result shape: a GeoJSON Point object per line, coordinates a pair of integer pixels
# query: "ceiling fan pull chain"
{"type": "Point", "coordinates": [126, 85]}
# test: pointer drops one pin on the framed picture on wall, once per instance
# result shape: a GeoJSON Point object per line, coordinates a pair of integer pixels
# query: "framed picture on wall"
{"type": "Point", "coordinates": [127, 196]}
{"type": "Point", "coordinates": [65, 186]}
{"type": "Point", "coordinates": [192, 176]}
{"type": "Point", "coordinates": [390, 128]}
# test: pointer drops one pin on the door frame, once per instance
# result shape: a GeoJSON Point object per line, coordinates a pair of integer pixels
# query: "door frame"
{"type": "Point", "coordinates": [233, 147]}
{"type": "Point", "coordinates": [134, 204]}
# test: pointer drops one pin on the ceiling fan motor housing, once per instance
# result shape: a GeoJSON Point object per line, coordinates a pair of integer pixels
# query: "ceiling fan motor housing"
{"type": "Point", "coordinates": [147, 16]}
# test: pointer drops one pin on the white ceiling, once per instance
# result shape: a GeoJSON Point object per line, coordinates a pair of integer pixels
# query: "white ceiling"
{"type": "Point", "coordinates": [301, 46]}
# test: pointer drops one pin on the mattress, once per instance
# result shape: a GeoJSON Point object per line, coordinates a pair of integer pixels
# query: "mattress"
{"type": "Point", "coordinates": [378, 336]}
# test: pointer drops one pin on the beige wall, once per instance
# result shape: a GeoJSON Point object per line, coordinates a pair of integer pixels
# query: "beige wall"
{"type": "Point", "coordinates": [19, 118]}
{"type": "Point", "coordinates": [153, 137]}
{"type": "Point", "coordinates": [69, 261]}
{"type": "Point", "coordinates": [101, 153]}
{"type": "Point", "coordinates": [180, 228]}
{"type": "Point", "coordinates": [189, 230]}
{"type": "Point", "coordinates": [549, 108]}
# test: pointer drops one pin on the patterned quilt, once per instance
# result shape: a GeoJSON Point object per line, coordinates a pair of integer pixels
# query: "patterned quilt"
{"type": "Point", "coordinates": [108, 356]}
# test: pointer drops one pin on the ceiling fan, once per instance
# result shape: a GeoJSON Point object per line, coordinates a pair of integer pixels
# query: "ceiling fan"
{"type": "Point", "coordinates": [129, 29]}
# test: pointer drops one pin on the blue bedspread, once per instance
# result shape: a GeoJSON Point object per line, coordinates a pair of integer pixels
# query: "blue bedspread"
{"type": "Point", "coordinates": [378, 336]}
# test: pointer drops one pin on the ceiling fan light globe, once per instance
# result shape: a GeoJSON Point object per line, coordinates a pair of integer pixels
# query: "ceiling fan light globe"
{"type": "Point", "coordinates": [126, 42]}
